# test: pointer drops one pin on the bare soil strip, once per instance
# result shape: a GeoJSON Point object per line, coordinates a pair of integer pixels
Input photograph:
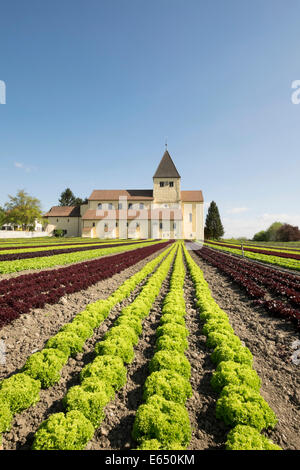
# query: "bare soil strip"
{"type": "Point", "coordinates": [269, 339]}
{"type": "Point", "coordinates": [26, 423]}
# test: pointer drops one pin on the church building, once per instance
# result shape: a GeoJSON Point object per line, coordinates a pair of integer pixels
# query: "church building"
{"type": "Point", "coordinates": [165, 211]}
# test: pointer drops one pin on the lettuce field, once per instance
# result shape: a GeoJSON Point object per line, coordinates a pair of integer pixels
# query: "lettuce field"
{"type": "Point", "coordinates": [148, 345]}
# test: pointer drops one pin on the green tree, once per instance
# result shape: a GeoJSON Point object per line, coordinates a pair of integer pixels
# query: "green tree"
{"type": "Point", "coordinates": [23, 210]}
{"type": "Point", "coordinates": [268, 235]}
{"type": "Point", "coordinates": [213, 225]}
{"type": "Point", "coordinates": [67, 198]}
{"type": "Point", "coordinates": [288, 233]}
{"type": "Point", "coordinates": [2, 217]}
{"type": "Point", "coordinates": [272, 230]}
{"type": "Point", "coordinates": [261, 236]}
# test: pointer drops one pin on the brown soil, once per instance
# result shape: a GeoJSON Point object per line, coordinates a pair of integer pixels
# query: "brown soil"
{"type": "Point", "coordinates": [269, 339]}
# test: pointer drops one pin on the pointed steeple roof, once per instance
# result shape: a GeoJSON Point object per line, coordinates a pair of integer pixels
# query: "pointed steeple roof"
{"type": "Point", "coordinates": [166, 168]}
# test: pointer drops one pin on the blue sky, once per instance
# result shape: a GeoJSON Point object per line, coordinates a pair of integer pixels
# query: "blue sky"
{"type": "Point", "coordinates": [94, 87]}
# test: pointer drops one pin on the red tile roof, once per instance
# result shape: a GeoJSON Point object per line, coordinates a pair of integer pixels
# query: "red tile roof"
{"type": "Point", "coordinates": [191, 196]}
{"type": "Point", "coordinates": [115, 194]}
{"type": "Point", "coordinates": [63, 211]}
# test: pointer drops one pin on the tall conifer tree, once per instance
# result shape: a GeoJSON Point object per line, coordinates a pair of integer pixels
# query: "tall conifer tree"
{"type": "Point", "coordinates": [213, 225]}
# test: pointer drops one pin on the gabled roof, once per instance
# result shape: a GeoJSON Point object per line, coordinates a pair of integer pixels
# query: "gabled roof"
{"type": "Point", "coordinates": [114, 194]}
{"type": "Point", "coordinates": [191, 196]}
{"type": "Point", "coordinates": [166, 168]}
{"type": "Point", "coordinates": [63, 211]}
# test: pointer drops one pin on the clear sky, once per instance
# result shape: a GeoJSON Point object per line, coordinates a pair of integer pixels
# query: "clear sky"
{"type": "Point", "coordinates": [93, 88]}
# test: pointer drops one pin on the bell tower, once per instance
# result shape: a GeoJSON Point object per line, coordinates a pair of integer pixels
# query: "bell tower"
{"type": "Point", "coordinates": [166, 182]}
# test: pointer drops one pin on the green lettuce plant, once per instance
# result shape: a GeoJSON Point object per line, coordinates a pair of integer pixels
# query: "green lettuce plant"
{"type": "Point", "coordinates": [20, 391]}
{"type": "Point", "coordinates": [68, 342]}
{"type": "Point", "coordinates": [172, 344]}
{"type": "Point", "coordinates": [123, 331]}
{"type": "Point", "coordinates": [164, 420]}
{"type": "Point", "coordinates": [216, 338]}
{"type": "Point", "coordinates": [169, 385]}
{"type": "Point", "coordinates": [239, 404]}
{"type": "Point", "coordinates": [247, 438]}
{"type": "Point", "coordinates": [116, 346]}
{"type": "Point", "coordinates": [171, 360]}
{"type": "Point", "coordinates": [45, 366]}
{"type": "Point", "coordinates": [108, 368]}
{"type": "Point", "coordinates": [234, 353]}
{"type": "Point", "coordinates": [234, 373]}
{"type": "Point", "coordinates": [172, 330]}
{"type": "Point", "coordinates": [6, 417]}
{"type": "Point", "coordinates": [64, 432]}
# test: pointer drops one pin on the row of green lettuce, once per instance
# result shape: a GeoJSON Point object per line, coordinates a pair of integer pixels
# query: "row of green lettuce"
{"type": "Point", "coordinates": [60, 260]}
{"type": "Point", "coordinates": [84, 404]}
{"type": "Point", "coordinates": [162, 422]}
{"type": "Point", "coordinates": [283, 262]}
{"type": "Point", "coordinates": [53, 247]}
{"type": "Point", "coordinates": [240, 405]}
{"type": "Point", "coordinates": [253, 245]}
{"type": "Point", "coordinates": [43, 368]}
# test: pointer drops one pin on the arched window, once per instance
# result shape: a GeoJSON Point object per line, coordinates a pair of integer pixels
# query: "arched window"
{"type": "Point", "coordinates": [100, 206]}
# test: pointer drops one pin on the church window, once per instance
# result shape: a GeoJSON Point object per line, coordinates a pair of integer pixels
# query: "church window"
{"type": "Point", "coordinates": [130, 205]}
{"type": "Point", "coordinates": [161, 184]}
{"type": "Point", "coordinates": [171, 184]}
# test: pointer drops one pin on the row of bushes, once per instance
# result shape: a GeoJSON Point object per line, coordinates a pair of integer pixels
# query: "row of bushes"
{"type": "Point", "coordinates": [162, 422]}
{"type": "Point", "coordinates": [42, 369]}
{"type": "Point", "coordinates": [85, 403]}
{"type": "Point", "coordinates": [240, 405]}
